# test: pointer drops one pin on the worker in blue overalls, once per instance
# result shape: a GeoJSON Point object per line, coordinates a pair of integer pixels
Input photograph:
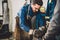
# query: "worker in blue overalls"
{"type": "Point", "coordinates": [50, 8]}
{"type": "Point", "coordinates": [49, 35]}
{"type": "Point", "coordinates": [30, 17]}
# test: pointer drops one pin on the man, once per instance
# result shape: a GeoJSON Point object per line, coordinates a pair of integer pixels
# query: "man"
{"type": "Point", "coordinates": [30, 17]}
{"type": "Point", "coordinates": [54, 27]}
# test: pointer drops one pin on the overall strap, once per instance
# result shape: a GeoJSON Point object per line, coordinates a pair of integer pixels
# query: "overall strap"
{"type": "Point", "coordinates": [28, 16]}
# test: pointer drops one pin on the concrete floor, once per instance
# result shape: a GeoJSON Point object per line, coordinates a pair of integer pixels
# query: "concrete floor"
{"type": "Point", "coordinates": [11, 38]}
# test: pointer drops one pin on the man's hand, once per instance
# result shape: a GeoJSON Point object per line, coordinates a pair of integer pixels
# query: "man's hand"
{"type": "Point", "coordinates": [42, 9]}
{"type": "Point", "coordinates": [42, 28]}
{"type": "Point", "coordinates": [30, 31]}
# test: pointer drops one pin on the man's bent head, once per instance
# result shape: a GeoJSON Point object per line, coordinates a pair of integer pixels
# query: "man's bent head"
{"type": "Point", "coordinates": [36, 4]}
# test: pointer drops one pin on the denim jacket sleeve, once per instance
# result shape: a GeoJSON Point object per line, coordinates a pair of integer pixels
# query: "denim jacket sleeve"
{"type": "Point", "coordinates": [21, 15]}
{"type": "Point", "coordinates": [41, 20]}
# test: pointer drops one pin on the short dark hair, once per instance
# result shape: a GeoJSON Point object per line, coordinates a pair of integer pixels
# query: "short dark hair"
{"type": "Point", "coordinates": [39, 2]}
